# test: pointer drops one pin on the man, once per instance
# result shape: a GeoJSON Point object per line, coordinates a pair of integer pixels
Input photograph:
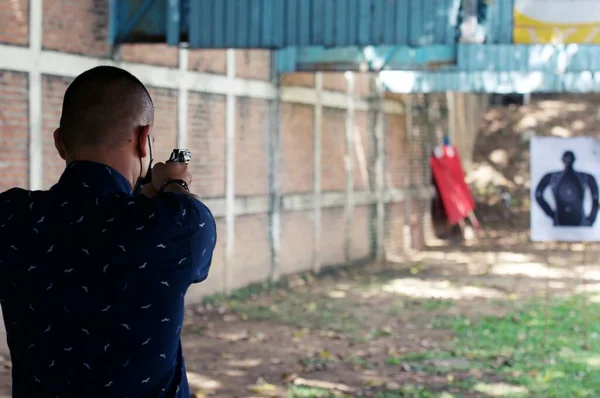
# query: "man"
{"type": "Point", "coordinates": [92, 277]}
{"type": "Point", "coordinates": [569, 187]}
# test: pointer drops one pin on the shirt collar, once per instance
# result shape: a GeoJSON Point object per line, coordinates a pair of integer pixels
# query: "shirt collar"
{"type": "Point", "coordinates": [95, 176]}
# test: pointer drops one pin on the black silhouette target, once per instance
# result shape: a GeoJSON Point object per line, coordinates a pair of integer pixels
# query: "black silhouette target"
{"type": "Point", "coordinates": [564, 189]}
{"type": "Point", "coordinates": [570, 192]}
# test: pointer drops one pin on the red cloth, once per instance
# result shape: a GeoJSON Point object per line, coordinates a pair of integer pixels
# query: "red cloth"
{"type": "Point", "coordinates": [449, 177]}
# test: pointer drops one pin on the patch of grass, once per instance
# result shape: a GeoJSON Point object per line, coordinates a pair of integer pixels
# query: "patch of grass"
{"type": "Point", "coordinates": [380, 333]}
{"type": "Point", "coordinates": [359, 362]}
{"type": "Point", "coordinates": [303, 309]}
{"type": "Point", "coordinates": [421, 356]}
{"type": "Point", "coordinates": [396, 309]}
{"type": "Point", "coordinates": [543, 361]}
{"type": "Point", "coordinates": [245, 293]}
{"type": "Point", "coordinates": [437, 304]}
{"type": "Point", "coordinates": [407, 392]}
{"type": "Point", "coordinates": [445, 322]}
{"type": "Point", "coordinates": [309, 392]}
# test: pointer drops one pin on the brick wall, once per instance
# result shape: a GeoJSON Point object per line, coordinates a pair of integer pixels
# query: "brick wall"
{"type": "Point", "coordinates": [251, 145]}
{"type": "Point", "coordinates": [53, 89]}
{"type": "Point", "coordinates": [333, 150]}
{"type": "Point", "coordinates": [14, 22]}
{"type": "Point", "coordinates": [165, 122]}
{"type": "Point", "coordinates": [80, 27]}
{"type": "Point", "coordinates": [206, 140]}
{"type": "Point", "coordinates": [13, 125]}
{"type": "Point", "coordinates": [297, 125]}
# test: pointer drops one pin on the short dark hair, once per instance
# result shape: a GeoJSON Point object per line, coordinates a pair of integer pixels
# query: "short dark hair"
{"type": "Point", "coordinates": [570, 155]}
{"type": "Point", "coordinates": [101, 104]}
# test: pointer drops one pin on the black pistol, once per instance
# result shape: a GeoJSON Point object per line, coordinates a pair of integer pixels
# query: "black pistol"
{"type": "Point", "coordinates": [180, 155]}
{"type": "Point", "coordinates": [177, 155]}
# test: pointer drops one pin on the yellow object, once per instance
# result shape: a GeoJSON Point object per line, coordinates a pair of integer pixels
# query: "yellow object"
{"type": "Point", "coordinates": [556, 22]}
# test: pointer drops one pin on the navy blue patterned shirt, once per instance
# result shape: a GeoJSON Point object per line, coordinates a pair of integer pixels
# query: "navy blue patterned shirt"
{"type": "Point", "coordinates": [92, 285]}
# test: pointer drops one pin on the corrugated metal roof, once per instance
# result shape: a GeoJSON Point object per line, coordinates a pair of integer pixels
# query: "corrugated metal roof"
{"type": "Point", "coordinates": [285, 23]}
{"type": "Point", "coordinates": [544, 58]}
{"type": "Point", "coordinates": [499, 22]}
{"type": "Point", "coordinates": [407, 82]}
{"type": "Point", "coordinates": [278, 23]}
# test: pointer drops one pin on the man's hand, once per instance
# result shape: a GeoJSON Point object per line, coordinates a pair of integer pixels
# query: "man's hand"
{"type": "Point", "coordinates": [149, 191]}
{"type": "Point", "coordinates": [162, 172]}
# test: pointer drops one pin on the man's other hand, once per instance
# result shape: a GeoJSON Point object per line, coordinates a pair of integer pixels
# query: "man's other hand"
{"type": "Point", "coordinates": [162, 172]}
{"type": "Point", "coordinates": [148, 190]}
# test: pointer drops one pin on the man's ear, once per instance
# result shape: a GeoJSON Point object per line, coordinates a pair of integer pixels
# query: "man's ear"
{"type": "Point", "coordinates": [143, 138]}
{"type": "Point", "coordinates": [58, 144]}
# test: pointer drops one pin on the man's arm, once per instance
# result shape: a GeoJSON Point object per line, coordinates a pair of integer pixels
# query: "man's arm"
{"type": "Point", "coordinates": [171, 182]}
{"type": "Point", "coordinates": [594, 190]}
{"type": "Point", "coordinates": [539, 195]}
{"type": "Point", "coordinates": [204, 240]}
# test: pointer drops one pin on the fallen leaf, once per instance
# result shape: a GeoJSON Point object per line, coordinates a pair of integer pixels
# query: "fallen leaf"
{"type": "Point", "coordinates": [264, 388]}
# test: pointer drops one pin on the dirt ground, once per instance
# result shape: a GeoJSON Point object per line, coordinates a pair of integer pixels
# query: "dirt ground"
{"type": "Point", "coordinates": [340, 331]}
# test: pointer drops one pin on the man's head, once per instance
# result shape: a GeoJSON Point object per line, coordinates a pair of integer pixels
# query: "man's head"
{"type": "Point", "coordinates": [568, 159]}
{"type": "Point", "coordinates": [107, 117]}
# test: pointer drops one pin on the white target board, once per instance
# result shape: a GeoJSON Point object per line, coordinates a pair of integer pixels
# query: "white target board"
{"type": "Point", "coordinates": [565, 173]}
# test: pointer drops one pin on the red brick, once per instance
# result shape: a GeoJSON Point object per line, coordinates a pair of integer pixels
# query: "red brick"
{"type": "Point", "coordinates": [53, 90]}
{"type": "Point", "coordinates": [252, 257]}
{"type": "Point", "coordinates": [334, 81]}
{"type": "Point", "coordinates": [297, 233]}
{"type": "Point", "coordinates": [251, 146]}
{"type": "Point", "coordinates": [208, 61]}
{"type": "Point", "coordinates": [333, 237]}
{"type": "Point", "coordinates": [360, 236]}
{"type": "Point", "coordinates": [150, 54]}
{"type": "Point", "coordinates": [394, 229]}
{"type": "Point", "coordinates": [362, 84]}
{"type": "Point", "coordinates": [333, 150]}
{"type": "Point", "coordinates": [298, 79]}
{"type": "Point", "coordinates": [253, 64]}
{"type": "Point", "coordinates": [14, 22]}
{"type": "Point", "coordinates": [14, 130]}
{"type": "Point", "coordinates": [79, 27]}
{"type": "Point", "coordinates": [206, 140]}
{"type": "Point", "coordinates": [395, 157]}
{"type": "Point", "coordinates": [297, 131]}
{"type": "Point", "coordinates": [165, 122]}
{"type": "Point", "coordinates": [416, 224]}
{"type": "Point", "coordinates": [362, 152]}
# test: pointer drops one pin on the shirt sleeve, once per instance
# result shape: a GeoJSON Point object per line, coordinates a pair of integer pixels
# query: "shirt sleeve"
{"type": "Point", "coordinates": [191, 215]}
{"type": "Point", "coordinates": [204, 239]}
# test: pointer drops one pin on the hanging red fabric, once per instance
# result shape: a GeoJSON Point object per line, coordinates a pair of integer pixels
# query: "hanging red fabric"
{"type": "Point", "coordinates": [449, 176]}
